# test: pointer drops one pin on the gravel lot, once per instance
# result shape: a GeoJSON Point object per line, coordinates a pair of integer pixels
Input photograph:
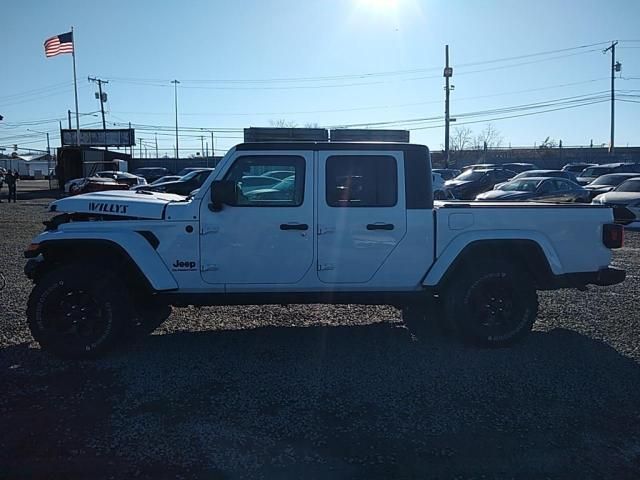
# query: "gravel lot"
{"type": "Point", "coordinates": [323, 392]}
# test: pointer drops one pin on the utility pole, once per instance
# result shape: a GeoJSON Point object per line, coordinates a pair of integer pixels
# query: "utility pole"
{"type": "Point", "coordinates": [175, 94]}
{"type": "Point", "coordinates": [140, 140]}
{"type": "Point", "coordinates": [69, 117]}
{"type": "Point", "coordinates": [213, 151]}
{"type": "Point", "coordinates": [202, 145]}
{"type": "Point", "coordinates": [102, 97]}
{"type": "Point", "coordinates": [448, 73]}
{"type": "Point", "coordinates": [156, 145]}
{"type": "Point", "coordinates": [615, 67]}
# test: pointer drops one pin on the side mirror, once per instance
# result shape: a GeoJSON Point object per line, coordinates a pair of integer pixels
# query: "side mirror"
{"type": "Point", "coordinates": [223, 192]}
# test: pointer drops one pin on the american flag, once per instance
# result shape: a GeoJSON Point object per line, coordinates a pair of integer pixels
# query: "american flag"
{"type": "Point", "coordinates": [58, 44]}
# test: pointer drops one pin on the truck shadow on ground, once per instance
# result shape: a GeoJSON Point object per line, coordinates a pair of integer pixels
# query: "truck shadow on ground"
{"type": "Point", "coordinates": [355, 401]}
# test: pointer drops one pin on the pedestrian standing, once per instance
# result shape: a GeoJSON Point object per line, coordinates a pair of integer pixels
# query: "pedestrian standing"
{"type": "Point", "coordinates": [2, 173]}
{"type": "Point", "coordinates": [12, 179]}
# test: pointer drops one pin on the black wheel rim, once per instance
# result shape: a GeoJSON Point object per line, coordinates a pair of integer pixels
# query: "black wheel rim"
{"type": "Point", "coordinates": [497, 307]}
{"type": "Point", "coordinates": [74, 317]}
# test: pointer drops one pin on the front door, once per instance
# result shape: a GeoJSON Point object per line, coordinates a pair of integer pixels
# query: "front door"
{"type": "Point", "coordinates": [361, 213]}
{"type": "Point", "coordinates": [267, 236]}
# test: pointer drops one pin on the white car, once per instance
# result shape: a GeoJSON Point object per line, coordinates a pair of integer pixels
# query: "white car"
{"type": "Point", "coordinates": [356, 224]}
{"type": "Point", "coordinates": [440, 192]}
{"type": "Point", "coordinates": [627, 195]}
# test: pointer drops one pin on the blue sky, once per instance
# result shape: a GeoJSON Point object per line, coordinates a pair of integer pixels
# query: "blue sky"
{"type": "Point", "coordinates": [249, 62]}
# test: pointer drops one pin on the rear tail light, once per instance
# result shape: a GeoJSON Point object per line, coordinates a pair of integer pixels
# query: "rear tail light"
{"type": "Point", "coordinates": [613, 235]}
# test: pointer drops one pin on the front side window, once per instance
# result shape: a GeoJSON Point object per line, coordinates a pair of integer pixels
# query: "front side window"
{"type": "Point", "coordinates": [361, 181]}
{"type": "Point", "coordinates": [258, 189]}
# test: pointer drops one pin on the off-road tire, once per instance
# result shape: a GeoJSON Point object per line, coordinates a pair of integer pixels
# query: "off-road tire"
{"type": "Point", "coordinates": [491, 303]}
{"type": "Point", "coordinates": [77, 311]}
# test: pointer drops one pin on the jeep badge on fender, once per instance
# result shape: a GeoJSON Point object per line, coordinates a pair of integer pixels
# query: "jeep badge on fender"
{"type": "Point", "coordinates": [183, 265]}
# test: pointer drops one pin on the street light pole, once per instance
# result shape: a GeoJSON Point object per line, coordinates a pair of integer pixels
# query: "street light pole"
{"type": "Point", "coordinates": [175, 94]}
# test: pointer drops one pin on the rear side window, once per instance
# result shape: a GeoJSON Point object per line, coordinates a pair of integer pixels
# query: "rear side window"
{"type": "Point", "coordinates": [361, 181]}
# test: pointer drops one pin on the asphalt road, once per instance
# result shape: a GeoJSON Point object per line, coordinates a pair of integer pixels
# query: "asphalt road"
{"type": "Point", "coordinates": [324, 392]}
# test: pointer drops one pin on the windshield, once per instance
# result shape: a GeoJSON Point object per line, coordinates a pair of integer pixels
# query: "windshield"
{"type": "Point", "coordinates": [632, 185]}
{"type": "Point", "coordinates": [471, 175]}
{"type": "Point", "coordinates": [520, 186]}
{"type": "Point", "coordinates": [595, 171]}
{"type": "Point", "coordinates": [191, 175]}
{"type": "Point", "coordinates": [612, 180]}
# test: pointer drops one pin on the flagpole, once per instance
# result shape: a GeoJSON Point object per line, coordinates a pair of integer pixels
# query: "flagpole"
{"type": "Point", "coordinates": [75, 87]}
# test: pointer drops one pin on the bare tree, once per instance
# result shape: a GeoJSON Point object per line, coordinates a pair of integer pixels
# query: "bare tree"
{"type": "Point", "coordinates": [489, 135]}
{"type": "Point", "coordinates": [548, 143]}
{"type": "Point", "coordinates": [461, 139]}
{"type": "Point", "coordinates": [283, 123]}
{"type": "Point", "coordinates": [311, 125]}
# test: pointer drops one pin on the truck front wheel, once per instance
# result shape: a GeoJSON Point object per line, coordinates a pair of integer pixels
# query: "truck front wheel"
{"type": "Point", "coordinates": [492, 304]}
{"type": "Point", "coordinates": [78, 311]}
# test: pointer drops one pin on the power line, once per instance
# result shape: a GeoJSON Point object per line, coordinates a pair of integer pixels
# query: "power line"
{"type": "Point", "coordinates": [185, 83]}
{"type": "Point", "coordinates": [357, 75]}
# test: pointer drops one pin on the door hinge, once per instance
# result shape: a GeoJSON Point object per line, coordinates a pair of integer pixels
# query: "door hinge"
{"type": "Point", "coordinates": [324, 230]}
{"type": "Point", "coordinates": [206, 229]}
{"type": "Point", "coordinates": [326, 266]}
{"type": "Point", "coordinates": [209, 268]}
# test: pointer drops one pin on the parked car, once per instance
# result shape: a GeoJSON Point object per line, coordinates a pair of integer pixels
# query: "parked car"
{"type": "Point", "coordinates": [539, 189]}
{"type": "Point", "coordinates": [591, 173]}
{"type": "Point", "coordinates": [166, 178]}
{"type": "Point", "coordinates": [254, 182]}
{"type": "Point", "coordinates": [439, 190]}
{"type": "Point", "coordinates": [480, 166]}
{"type": "Point", "coordinates": [447, 173]}
{"type": "Point", "coordinates": [187, 170]}
{"type": "Point", "coordinates": [95, 184]}
{"type": "Point", "coordinates": [151, 174]}
{"type": "Point", "coordinates": [279, 174]}
{"type": "Point", "coordinates": [627, 195]}
{"type": "Point", "coordinates": [282, 190]}
{"type": "Point", "coordinates": [184, 186]}
{"type": "Point", "coordinates": [472, 182]}
{"type": "Point", "coordinates": [79, 185]}
{"type": "Point", "coordinates": [128, 179]}
{"type": "Point", "coordinates": [519, 167]}
{"type": "Point", "coordinates": [577, 167]}
{"type": "Point", "coordinates": [547, 174]}
{"type": "Point", "coordinates": [607, 183]}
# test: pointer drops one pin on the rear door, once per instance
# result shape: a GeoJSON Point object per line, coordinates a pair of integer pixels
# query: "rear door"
{"type": "Point", "coordinates": [361, 213]}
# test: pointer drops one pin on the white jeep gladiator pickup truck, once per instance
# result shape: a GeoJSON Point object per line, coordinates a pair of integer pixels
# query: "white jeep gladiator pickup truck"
{"type": "Point", "coordinates": [352, 223]}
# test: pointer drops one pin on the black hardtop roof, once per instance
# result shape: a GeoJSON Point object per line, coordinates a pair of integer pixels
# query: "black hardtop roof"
{"type": "Point", "coordinates": [330, 146]}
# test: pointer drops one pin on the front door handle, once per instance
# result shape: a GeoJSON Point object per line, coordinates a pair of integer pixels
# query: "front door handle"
{"type": "Point", "coordinates": [294, 226]}
{"type": "Point", "coordinates": [380, 226]}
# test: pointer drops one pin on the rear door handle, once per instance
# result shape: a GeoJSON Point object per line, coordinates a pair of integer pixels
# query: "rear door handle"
{"type": "Point", "coordinates": [380, 226]}
{"type": "Point", "coordinates": [294, 226]}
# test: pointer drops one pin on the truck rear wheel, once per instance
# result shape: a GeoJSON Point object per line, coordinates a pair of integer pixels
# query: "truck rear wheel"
{"type": "Point", "coordinates": [492, 304]}
{"type": "Point", "coordinates": [78, 311]}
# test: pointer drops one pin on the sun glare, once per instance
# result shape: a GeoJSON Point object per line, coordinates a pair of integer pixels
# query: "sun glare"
{"type": "Point", "coordinates": [380, 5]}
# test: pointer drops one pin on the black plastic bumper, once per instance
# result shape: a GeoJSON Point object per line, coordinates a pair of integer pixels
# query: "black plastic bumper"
{"type": "Point", "coordinates": [603, 277]}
